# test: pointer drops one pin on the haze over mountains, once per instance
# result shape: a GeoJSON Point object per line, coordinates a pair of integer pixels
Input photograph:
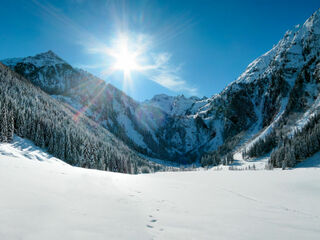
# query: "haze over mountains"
{"type": "Point", "coordinates": [276, 95]}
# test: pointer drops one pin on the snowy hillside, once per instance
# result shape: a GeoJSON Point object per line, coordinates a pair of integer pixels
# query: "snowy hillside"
{"type": "Point", "coordinates": [44, 198]}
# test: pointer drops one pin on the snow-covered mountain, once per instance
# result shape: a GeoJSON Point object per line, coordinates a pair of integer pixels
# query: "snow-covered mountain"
{"type": "Point", "coordinates": [279, 90]}
{"type": "Point", "coordinates": [91, 96]}
{"type": "Point", "coordinates": [141, 126]}
{"type": "Point", "coordinates": [49, 72]}
{"type": "Point", "coordinates": [149, 127]}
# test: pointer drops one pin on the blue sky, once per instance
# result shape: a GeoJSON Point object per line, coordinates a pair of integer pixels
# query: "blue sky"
{"type": "Point", "coordinates": [187, 47]}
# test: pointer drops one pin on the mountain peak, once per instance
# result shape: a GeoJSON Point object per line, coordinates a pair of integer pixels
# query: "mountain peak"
{"type": "Point", "coordinates": [49, 53]}
{"type": "Point", "coordinates": [316, 14]}
{"type": "Point", "coordinates": [313, 23]}
{"type": "Point", "coordinates": [48, 57]}
{"type": "Point", "coordinates": [290, 46]}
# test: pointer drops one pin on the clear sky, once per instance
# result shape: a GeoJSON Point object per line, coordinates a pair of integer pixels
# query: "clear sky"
{"type": "Point", "coordinates": [191, 47]}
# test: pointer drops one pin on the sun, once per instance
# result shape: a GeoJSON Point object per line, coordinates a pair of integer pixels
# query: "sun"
{"type": "Point", "coordinates": [126, 60]}
{"type": "Point", "coordinates": [127, 55]}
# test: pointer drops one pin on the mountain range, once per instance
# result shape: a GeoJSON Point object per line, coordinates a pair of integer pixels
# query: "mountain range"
{"type": "Point", "coordinates": [271, 105]}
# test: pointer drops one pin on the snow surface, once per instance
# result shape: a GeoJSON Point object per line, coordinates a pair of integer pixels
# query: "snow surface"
{"type": "Point", "coordinates": [48, 199]}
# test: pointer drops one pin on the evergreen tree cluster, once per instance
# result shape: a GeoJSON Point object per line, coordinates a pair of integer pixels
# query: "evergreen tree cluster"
{"type": "Point", "coordinates": [223, 154]}
{"type": "Point", "coordinates": [213, 159]}
{"type": "Point", "coordinates": [6, 123]}
{"type": "Point", "coordinates": [262, 146]}
{"type": "Point", "coordinates": [302, 145]}
{"type": "Point", "coordinates": [30, 113]}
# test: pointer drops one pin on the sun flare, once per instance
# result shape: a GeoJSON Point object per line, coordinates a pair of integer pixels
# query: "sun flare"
{"type": "Point", "coordinates": [125, 61]}
{"type": "Point", "coordinates": [128, 53]}
{"type": "Point", "coordinates": [125, 58]}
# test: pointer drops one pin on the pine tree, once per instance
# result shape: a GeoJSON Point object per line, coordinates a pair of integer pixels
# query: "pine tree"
{"type": "Point", "coordinates": [10, 125]}
{"type": "Point", "coordinates": [4, 124]}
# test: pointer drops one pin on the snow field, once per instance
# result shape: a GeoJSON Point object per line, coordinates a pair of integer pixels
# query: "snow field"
{"type": "Point", "coordinates": [49, 199]}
